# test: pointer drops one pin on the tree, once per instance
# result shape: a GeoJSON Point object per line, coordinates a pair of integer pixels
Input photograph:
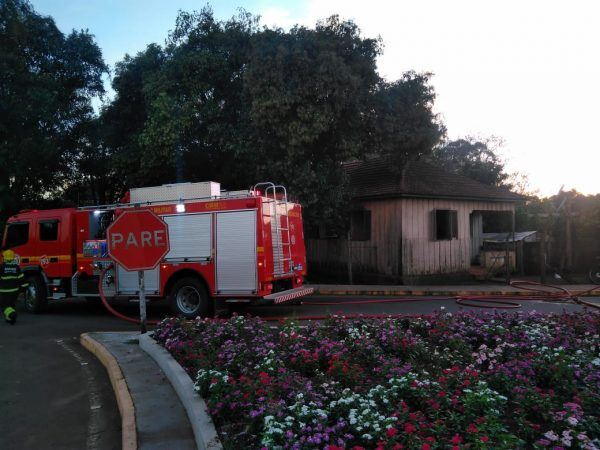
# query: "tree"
{"type": "Point", "coordinates": [229, 101]}
{"type": "Point", "coordinates": [117, 157]}
{"type": "Point", "coordinates": [403, 121]}
{"type": "Point", "coordinates": [476, 159]}
{"type": "Point", "coordinates": [310, 93]}
{"type": "Point", "coordinates": [47, 82]}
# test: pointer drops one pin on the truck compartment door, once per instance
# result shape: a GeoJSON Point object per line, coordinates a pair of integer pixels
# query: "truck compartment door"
{"type": "Point", "coordinates": [190, 237]}
{"type": "Point", "coordinates": [128, 284]}
{"type": "Point", "coordinates": [236, 252]}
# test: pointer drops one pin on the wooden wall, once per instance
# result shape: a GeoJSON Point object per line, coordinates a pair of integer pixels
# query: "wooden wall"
{"type": "Point", "coordinates": [401, 241]}
{"type": "Point", "coordinates": [421, 254]}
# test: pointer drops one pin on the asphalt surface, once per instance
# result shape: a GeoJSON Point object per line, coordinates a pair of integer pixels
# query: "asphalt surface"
{"type": "Point", "coordinates": [56, 395]}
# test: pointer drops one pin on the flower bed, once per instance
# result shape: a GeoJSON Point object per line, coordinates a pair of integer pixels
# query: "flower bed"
{"type": "Point", "coordinates": [500, 381]}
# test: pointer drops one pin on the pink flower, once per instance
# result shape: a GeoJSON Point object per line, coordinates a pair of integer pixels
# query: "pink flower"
{"type": "Point", "coordinates": [391, 432]}
{"type": "Point", "coordinates": [409, 428]}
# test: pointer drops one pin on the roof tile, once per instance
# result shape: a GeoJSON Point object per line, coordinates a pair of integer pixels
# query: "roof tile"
{"type": "Point", "coordinates": [376, 178]}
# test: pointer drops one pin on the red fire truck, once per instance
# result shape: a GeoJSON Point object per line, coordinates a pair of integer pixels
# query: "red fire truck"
{"type": "Point", "coordinates": [226, 247]}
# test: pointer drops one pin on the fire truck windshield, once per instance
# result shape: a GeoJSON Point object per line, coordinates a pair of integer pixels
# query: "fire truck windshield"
{"type": "Point", "coordinates": [16, 234]}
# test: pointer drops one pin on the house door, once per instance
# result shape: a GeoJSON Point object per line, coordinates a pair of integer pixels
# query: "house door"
{"type": "Point", "coordinates": [476, 227]}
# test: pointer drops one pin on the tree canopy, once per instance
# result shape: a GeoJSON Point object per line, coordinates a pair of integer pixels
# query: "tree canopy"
{"type": "Point", "coordinates": [228, 101]}
{"type": "Point", "coordinates": [236, 103]}
{"type": "Point", "coordinates": [47, 82]}
{"type": "Point", "coordinates": [476, 159]}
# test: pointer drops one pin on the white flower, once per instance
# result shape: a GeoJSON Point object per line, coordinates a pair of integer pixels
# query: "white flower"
{"type": "Point", "coordinates": [551, 435]}
{"type": "Point", "coordinates": [572, 421]}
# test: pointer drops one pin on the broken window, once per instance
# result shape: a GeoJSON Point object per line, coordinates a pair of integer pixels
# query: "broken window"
{"type": "Point", "coordinates": [445, 224]}
{"type": "Point", "coordinates": [360, 225]}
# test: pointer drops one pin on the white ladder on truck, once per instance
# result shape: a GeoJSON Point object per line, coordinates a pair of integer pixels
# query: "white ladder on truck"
{"type": "Point", "coordinates": [280, 227]}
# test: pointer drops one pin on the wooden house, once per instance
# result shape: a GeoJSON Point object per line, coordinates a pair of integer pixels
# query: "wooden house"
{"type": "Point", "coordinates": [420, 224]}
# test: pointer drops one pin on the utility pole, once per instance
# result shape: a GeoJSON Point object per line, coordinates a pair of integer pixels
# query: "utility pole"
{"type": "Point", "coordinates": [349, 249]}
{"type": "Point", "coordinates": [568, 236]}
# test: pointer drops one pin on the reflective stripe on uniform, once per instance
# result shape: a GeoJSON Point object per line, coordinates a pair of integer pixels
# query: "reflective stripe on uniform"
{"type": "Point", "coordinates": [9, 291]}
{"type": "Point", "coordinates": [11, 277]}
{"type": "Point", "coordinates": [8, 312]}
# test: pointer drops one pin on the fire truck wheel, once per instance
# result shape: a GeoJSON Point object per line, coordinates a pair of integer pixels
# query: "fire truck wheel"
{"type": "Point", "coordinates": [36, 295]}
{"type": "Point", "coordinates": [190, 299]}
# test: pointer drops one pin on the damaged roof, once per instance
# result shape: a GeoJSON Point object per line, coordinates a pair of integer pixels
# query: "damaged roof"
{"type": "Point", "coordinates": [376, 178]}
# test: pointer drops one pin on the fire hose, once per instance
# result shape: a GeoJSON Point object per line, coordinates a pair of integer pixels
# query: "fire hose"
{"type": "Point", "coordinates": [558, 294]}
{"type": "Point", "coordinates": [110, 308]}
{"type": "Point", "coordinates": [495, 301]}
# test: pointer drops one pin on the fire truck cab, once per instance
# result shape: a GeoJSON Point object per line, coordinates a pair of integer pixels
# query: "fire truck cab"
{"type": "Point", "coordinates": [225, 248]}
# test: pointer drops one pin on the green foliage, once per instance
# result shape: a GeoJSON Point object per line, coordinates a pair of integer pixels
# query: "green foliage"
{"type": "Point", "coordinates": [473, 158]}
{"type": "Point", "coordinates": [221, 100]}
{"type": "Point", "coordinates": [48, 80]}
{"type": "Point", "coordinates": [232, 102]}
{"type": "Point", "coordinates": [548, 215]}
{"type": "Point", "coordinates": [404, 124]}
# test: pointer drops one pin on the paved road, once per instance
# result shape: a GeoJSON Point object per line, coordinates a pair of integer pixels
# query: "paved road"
{"type": "Point", "coordinates": [55, 395]}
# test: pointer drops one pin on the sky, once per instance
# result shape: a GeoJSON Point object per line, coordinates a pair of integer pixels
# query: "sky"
{"type": "Point", "coordinates": [525, 71]}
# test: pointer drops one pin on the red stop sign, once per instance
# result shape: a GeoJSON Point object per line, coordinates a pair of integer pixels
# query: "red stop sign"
{"type": "Point", "coordinates": [138, 240]}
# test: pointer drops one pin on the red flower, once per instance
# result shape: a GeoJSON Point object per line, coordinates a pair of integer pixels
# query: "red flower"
{"type": "Point", "coordinates": [472, 428]}
{"type": "Point", "coordinates": [484, 439]}
{"type": "Point", "coordinates": [456, 439]}
{"type": "Point", "coordinates": [264, 378]}
{"type": "Point", "coordinates": [391, 432]}
{"type": "Point", "coordinates": [398, 447]}
{"type": "Point", "coordinates": [426, 447]}
{"type": "Point", "coordinates": [409, 428]}
{"type": "Point", "coordinates": [441, 394]}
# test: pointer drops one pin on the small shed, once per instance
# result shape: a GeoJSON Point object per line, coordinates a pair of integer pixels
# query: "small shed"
{"type": "Point", "coordinates": [522, 248]}
{"type": "Point", "coordinates": [420, 224]}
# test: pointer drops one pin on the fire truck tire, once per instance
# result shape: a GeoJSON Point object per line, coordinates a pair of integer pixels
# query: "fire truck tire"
{"type": "Point", "coordinates": [189, 298]}
{"type": "Point", "coordinates": [36, 295]}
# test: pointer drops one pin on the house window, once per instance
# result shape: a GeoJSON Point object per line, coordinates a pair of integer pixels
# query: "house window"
{"type": "Point", "coordinates": [360, 225]}
{"type": "Point", "coordinates": [445, 224]}
{"type": "Point", "coordinates": [49, 230]}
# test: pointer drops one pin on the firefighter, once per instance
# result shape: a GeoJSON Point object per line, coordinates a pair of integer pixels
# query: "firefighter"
{"type": "Point", "coordinates": [12, 281]}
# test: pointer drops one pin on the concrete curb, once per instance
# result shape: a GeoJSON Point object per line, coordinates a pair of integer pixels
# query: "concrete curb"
{"type": "Point", "coordinates": [201, 422]}
{"type": "Point", "coordinates": [124, 400]}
